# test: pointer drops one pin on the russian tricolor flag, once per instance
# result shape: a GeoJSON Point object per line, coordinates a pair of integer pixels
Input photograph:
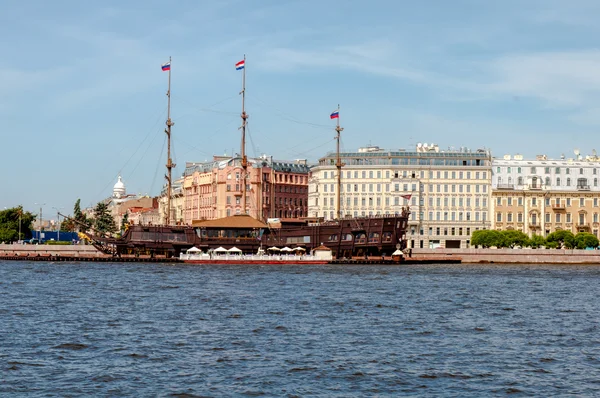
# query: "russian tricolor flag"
{"type": "Point", "coordinates": [335, 115]}
{"type": "Point", "coordinates": [166, 66]}
{"type": "Point", "coordinates": [240, 65]}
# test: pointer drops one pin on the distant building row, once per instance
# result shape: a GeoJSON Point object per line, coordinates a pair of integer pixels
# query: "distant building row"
{"type": "Point", "coordinates": [451, 193]}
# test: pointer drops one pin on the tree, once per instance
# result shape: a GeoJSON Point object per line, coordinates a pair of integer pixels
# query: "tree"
{"type": "Point", "coordinates": [487, 238]}
{"type": "Point", "coordinates": [585, 239]}
{"type": "Point", "coordinates": [537, 241]}
{"type": "Point", "coordinates": [82, 223]}
{"type": "Point", "coordinates": [103, 220]}
{"type": "Point", "coordinates": [512, 238]}
{"type": "Point", "coordinates": [562, 238]}
{"type": "Point", "coordinates": [124, 221]}
{"type": "Point", "coordinates": [9, 224]}
{"type": "Point", "coordinates": [68, 225]}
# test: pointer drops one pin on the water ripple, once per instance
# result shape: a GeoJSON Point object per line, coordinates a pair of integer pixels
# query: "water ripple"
{"type": "Point", "coordinates": [71, 329]}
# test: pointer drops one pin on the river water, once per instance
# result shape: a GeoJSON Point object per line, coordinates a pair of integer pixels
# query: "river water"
{"type": "Point", "coordinates": [73, 329]}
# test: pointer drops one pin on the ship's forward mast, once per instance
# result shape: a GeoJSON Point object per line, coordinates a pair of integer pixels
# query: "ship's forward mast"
{"type": "Point", "coordinates": [170, 165]}
{"type": "Point", "coordinates": [338, 163]}
{"type": "Point", "coordinates": [242, 66]}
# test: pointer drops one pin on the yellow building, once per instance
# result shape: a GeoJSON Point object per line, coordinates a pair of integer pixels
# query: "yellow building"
{"type": "Point", "coordinates": [542, 196]}
{"type": "Point", "coordinates": [448, 191]}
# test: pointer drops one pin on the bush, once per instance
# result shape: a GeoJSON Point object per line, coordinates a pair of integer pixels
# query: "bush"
{"type": "Point", "coordinates": [56, 242]}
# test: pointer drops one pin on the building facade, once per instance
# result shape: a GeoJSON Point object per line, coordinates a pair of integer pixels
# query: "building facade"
{"type": "Point", "coordinates": [448, 191]}
{"type": "Point", "coordinates": [540, 196]}
{"type": "Point", "coordinates": [273, 189]}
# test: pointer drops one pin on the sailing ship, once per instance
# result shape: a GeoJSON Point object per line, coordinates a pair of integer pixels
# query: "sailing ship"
{"type": "Point", "coordinates": [345, 236]}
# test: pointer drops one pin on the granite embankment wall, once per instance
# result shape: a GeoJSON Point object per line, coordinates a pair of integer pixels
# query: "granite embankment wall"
{"type": "Point", "coordinates": [50, 250]}
{"type": "Point", "coordinates": [513, 256]}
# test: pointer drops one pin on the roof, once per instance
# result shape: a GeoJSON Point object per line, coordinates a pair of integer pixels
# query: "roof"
{"type": "Point", "coordinates": [237, 221]}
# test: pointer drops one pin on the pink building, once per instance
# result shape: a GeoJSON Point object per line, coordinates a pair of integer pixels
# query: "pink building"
{"type": "Point", "coordinates": [273, 189]}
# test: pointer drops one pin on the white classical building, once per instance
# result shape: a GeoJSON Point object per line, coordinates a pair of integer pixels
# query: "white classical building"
{"type": "Point", "coordinates": [448, 191]}
{"type": "Point", "coordinates": [540, 196]}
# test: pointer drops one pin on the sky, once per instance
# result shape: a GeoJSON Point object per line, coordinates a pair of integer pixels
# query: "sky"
{"type": "Point", "coordinates": [83, 95]}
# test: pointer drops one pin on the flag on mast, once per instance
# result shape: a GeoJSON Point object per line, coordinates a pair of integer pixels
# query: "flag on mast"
{"type": "Point", "coordinates": [166, 66]}
{"type": "Point", "coordinates": [407, 197]}
{"type": "Point", "coordinates": [335, 114]}
{"type": "Point", "coordinates": [240, 65]}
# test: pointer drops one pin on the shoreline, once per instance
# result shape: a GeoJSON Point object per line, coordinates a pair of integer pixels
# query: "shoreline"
{"type": "Point", "coordinates": [87, 253]}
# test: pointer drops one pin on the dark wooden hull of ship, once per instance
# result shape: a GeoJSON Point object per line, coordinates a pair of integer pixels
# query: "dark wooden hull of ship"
{"type": "Point", "coordinates": [346, 238]}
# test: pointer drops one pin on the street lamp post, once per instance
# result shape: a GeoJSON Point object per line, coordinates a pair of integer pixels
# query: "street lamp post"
{"type": "Point", "coordinates": [41, 220]}
{"type": "Point", "coordinates": [58, 221]}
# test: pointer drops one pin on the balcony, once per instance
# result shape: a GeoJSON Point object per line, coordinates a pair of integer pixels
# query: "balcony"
{"type": "Point", "coordinates": [583, 187]}
{"type": "Point", "coordinates": [558, 206]}
{"type": "Point", "coordinates": [535, 187]}
{"type": "Point", "coordinates": [506, 186]}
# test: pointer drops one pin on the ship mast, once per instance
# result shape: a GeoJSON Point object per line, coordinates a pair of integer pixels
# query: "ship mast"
{"type": "Point", "coordinates": [244, 116]}
{"type": "Point", "coordinates": [338, 165]}
{"type": "Point", "coordinates": [170, 164]}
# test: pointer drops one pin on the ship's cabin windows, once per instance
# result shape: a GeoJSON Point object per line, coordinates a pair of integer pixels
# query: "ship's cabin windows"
{"type": "Point", "coordinates": [361, 239]}
{"type": "Point", "coordinates": [373, 237]}
{"type": "Point", "coordinates": [387, 237]}
{"type": "Point", "coordinates": [333, 238]}
{"type": "Point", "coordinates": [347, 237]}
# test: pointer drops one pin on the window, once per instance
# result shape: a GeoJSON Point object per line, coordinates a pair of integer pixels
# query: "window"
{"type": "Point", "coordinates": [581, 171]}
{"type": "Point", "coordinates": [499, 217]}
{"type": "Point", "coordinates": [534, 201]}
{"type": "Point", "coordinates": [568, 201]}
{"type": "Point", "coordinates": [519, 217]}
{"type": "Point", "coordinates": [509, 201]}
{"type": "Point", "coordinates": [567, 171]}
{"type": "Point", "coordinates": [557, 181]}
{"type": "Point", "coordinates": [557, 217]}
{"type": "Point", "coordinates": [581, 202]}
{"type": "Point", "coordinates": [557, 171]}
{"type": "Point", "coordinates": [533, 170]}
{"type": "Point", "coordinates": [547, 170]}
{"type": "Point", "coordinates": [547, 181]}
{"type": "Point", "coordinates": [547, 217]}
{"type": "Point", "coordinates": [518, 170]}
{"type": "Point", "coordinates": [568, 181]}
{"type": "Point", "coordinates": [498, 201]}
{"type": "Point", "coordinates": [509, 217]}
{"type": "Point", "coordinates": [520, 181]}
{"type": "Point", "coordinates": [520, 201]}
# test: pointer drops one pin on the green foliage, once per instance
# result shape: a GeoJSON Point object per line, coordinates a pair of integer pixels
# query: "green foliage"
{"type": "Point", "coordinates": [9, 224]}
{"type": "Point", "coordinates": [67, 225]}
{"type": "Point", "coordinates": [551, 245]}
{"type": "Point", "coordinates": [562, 238]}
{"type": "Point", "coordinates": [103, 220]}
{"type": "Point", "coordinates": [124, 221]}
{"type": "Point", "coordinates": [82, 223]}
{"type": "Point", "coordinates": [56, 242]}
{"type": "Point", "coordinates": [585, 239]}
{"type": "Point", "coordinates": [512, 238]}
{"type": "Point", "coordinates": [487, 238]}
{"type": "Point", "coordinates": [537, 241]}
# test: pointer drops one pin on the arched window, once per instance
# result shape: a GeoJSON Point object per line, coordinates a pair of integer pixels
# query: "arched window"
{"type": "Point", "coordinates": [509, 180]}
{"type": "Point", "coordinates": [557, 181]}
{"type": "Point", "coordinates": [547, 181]}
{"type": "Point", "coordinates": [520, 181]}
{"type": "Point", "coordinates": [568, 182]}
